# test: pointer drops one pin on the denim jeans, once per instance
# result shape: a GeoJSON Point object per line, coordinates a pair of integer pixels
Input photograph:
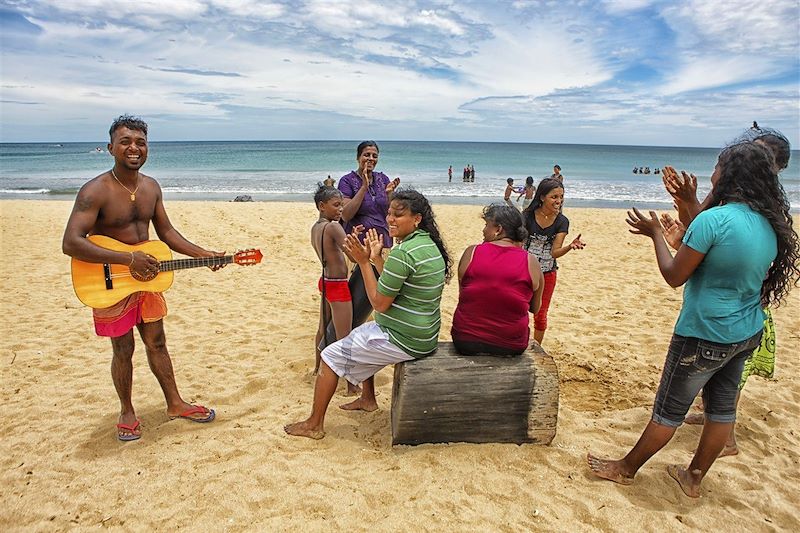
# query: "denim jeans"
{"type": "Point", "coordinates": [693, 364]}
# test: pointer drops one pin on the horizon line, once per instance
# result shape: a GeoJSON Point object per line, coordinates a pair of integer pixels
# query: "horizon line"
{"type": "Point", "coordinates": [103, 143]}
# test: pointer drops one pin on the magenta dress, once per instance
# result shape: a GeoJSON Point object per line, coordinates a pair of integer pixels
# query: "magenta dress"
{"type": "Point", "coordinates": [495, 296]}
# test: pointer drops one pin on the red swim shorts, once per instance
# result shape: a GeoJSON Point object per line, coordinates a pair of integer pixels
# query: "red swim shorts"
{"type": "Point", "coordinates": [336, 290]}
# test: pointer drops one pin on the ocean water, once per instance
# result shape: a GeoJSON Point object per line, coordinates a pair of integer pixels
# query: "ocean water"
{"type": "Point", "coordinates": [595, 175]}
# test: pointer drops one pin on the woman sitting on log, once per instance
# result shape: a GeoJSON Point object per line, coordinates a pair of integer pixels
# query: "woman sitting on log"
{"type": "Point", "coordinates": [406, 298]}
{"type": "Point", "coordinates": [498, 282]}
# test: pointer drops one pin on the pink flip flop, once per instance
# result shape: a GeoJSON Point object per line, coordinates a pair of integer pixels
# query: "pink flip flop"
{"type": "Point", "coordinates": [195, 409]}
{"type": "Point", "coordinates": [127, 437]}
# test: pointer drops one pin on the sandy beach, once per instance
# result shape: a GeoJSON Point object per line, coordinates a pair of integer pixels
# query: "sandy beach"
{"type": "Point", "coordinates": [241, 340]}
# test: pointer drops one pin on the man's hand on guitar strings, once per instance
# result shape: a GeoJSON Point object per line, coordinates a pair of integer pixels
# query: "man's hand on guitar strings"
{"type": "Point", "coordinates": [143, 264]}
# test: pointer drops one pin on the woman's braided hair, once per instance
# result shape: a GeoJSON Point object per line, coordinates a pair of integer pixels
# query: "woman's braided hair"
{"type": "Point", "coordinates": [508, 218]}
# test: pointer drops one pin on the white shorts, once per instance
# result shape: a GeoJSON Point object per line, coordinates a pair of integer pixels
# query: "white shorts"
{"type": "Point", "coordinates": [363, 353]}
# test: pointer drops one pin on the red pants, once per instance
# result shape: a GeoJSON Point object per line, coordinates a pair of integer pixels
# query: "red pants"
{"type": "Point", "coordinates": [540, 318]}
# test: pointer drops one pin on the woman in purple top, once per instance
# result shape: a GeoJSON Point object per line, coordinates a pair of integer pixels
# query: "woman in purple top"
{"type": "Point", "coordinates": [366, 203]}
{"type": "Point", "coordinates": [367, 194]}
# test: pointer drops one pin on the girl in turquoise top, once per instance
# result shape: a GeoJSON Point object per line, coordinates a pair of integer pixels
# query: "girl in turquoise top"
{"type": "Point", "coordinates": [683, 190]}
{"type": "Point", "coordinates": [738, 255]}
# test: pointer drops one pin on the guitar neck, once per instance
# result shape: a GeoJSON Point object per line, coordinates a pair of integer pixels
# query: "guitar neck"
{"type": "Point", "coordinates": [194, 262]}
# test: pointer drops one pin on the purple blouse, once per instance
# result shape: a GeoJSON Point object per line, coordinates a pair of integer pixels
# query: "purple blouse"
{"type": "Point", "coordinates": [374, 206]}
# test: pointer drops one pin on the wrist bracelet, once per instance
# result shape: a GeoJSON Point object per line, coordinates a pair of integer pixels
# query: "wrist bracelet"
{"type": "Point", "coordinates": [131, 264]}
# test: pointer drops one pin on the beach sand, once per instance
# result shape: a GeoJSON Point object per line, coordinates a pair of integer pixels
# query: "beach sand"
{"type": "Point", "coordinates": [241, 341]}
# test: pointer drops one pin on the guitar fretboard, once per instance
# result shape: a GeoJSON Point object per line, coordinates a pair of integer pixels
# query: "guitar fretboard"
{"type": "Point", "coordinates": [194, 262]}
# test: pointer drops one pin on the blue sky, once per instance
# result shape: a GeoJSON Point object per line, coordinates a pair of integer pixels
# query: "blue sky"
{"type": "Point", "coordinates": [691, 73]}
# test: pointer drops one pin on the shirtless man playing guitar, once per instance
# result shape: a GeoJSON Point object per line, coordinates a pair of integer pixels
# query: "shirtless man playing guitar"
{"type": "Point", "coordinates": [120, 204]}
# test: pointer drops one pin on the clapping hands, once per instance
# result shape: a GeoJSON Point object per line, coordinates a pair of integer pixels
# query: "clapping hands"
{"type": "Point", "coordinates": [642, 225]}
{"type": "Point", "coordinates": [374, 243]}
{"type": "Point", "coordinates": [355, 250]}
{"type": "Point", "coordinates": [392, 185]}
{"type": "Point", "coordinates": [673, 231]}
{"type": "Point", "coordinates": [682, 188]}
{"type": "Point", "coordinates": [363, 253]}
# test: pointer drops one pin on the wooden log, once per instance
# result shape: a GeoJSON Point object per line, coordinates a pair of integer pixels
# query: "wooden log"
{"type": "Point", "coordinates": [447, 397]}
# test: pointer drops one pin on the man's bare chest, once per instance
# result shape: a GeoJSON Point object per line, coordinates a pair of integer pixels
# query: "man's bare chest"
{"type": "Point", "coordinates": [119, 215]}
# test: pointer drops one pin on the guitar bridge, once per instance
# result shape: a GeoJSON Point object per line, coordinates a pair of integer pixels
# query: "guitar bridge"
{"type": "Point", "coordinates": [107, 275]}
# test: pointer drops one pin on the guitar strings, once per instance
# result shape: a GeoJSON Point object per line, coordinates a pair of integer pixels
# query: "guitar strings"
{"type": "Point", "coordinates": [172, 263]}
{"type": "Point", "coordinates": [214, 261]}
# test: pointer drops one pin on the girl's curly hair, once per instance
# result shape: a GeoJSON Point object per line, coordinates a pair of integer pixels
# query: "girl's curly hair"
{"type": "Point", "coordinates": [747, 175]}
{"type": "Point", "coordinates": [417, 204]}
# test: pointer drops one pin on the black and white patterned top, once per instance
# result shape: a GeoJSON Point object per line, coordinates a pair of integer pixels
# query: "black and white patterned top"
{"type": "Point", "coordinates": [540, 241]}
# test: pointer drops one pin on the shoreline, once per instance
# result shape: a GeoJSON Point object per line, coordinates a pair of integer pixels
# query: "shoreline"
{"type": "Point", "coordinates": [306, 198]}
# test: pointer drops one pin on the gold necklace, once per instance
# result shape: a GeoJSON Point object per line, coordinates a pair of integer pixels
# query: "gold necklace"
{"type": "Point", "coordinates": [131, 192]}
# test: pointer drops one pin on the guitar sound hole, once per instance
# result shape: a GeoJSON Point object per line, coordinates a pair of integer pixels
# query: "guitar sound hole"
{"type": "Point", "coordinates": [146, 277]}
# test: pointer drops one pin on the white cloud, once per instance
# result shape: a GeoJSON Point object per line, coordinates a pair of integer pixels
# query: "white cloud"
{"type": "Point", "coordinates": [769, 26]}
{"type": "Point", "coordinates": [100, 9]}
{"type": "Point", "coordinates": [531, 63]}
{"type": "Point", "coordinates": [376, 19]}
{"type": "Point", "coordinates": [623, 6]}
{"type": "Point", "coordinates": [423, 66]}
{"type": "Point", "coordinates": [434, 19]}
{"type": "Point", "coordinates": [354, 18]}
{"type": "Point", "coordinates": [721, 43]}
{"type": "Point", "coordinates": [611, 114]}
{"type": "Point", "coordinates": [250, 8]}
{"type": "Point", "coordinates": [718, 71]}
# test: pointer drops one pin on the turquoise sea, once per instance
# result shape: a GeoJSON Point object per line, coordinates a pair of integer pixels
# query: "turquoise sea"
{"type": "Point", "coordinates": [595, 175]}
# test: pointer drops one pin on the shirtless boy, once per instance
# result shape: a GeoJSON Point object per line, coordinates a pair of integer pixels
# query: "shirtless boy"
{"type": "Point", "coordinates": [509, 189]}
{"type": "Point", "coordinates": [327, 238]}
{"type": "Point", "coordinates": [121, 203]}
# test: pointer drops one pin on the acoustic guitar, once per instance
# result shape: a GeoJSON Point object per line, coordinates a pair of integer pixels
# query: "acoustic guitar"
{"type": "Point", "coordinates": [101, 285]}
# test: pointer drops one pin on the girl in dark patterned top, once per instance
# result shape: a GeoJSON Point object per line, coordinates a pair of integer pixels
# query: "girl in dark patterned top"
{"type": "Point", "coordinates": [547, 228]}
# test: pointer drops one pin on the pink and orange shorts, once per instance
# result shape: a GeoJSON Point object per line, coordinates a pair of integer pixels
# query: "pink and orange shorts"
{"type": "Point", "coordinates": [119, 319]}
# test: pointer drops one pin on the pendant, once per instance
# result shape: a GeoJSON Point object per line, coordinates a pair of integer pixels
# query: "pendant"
{"type": "Point", "coordinates": [133, 197]}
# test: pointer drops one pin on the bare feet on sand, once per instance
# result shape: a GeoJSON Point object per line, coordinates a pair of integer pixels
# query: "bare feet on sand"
{"type": "Point", "coordinates": [687, 480]}
{"type": "Point", "coordinates": [360, 404]}
{"type": "Point", "coordinates": [608, 469]}
{"type": "Point", "coordinates": [304, 429]}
